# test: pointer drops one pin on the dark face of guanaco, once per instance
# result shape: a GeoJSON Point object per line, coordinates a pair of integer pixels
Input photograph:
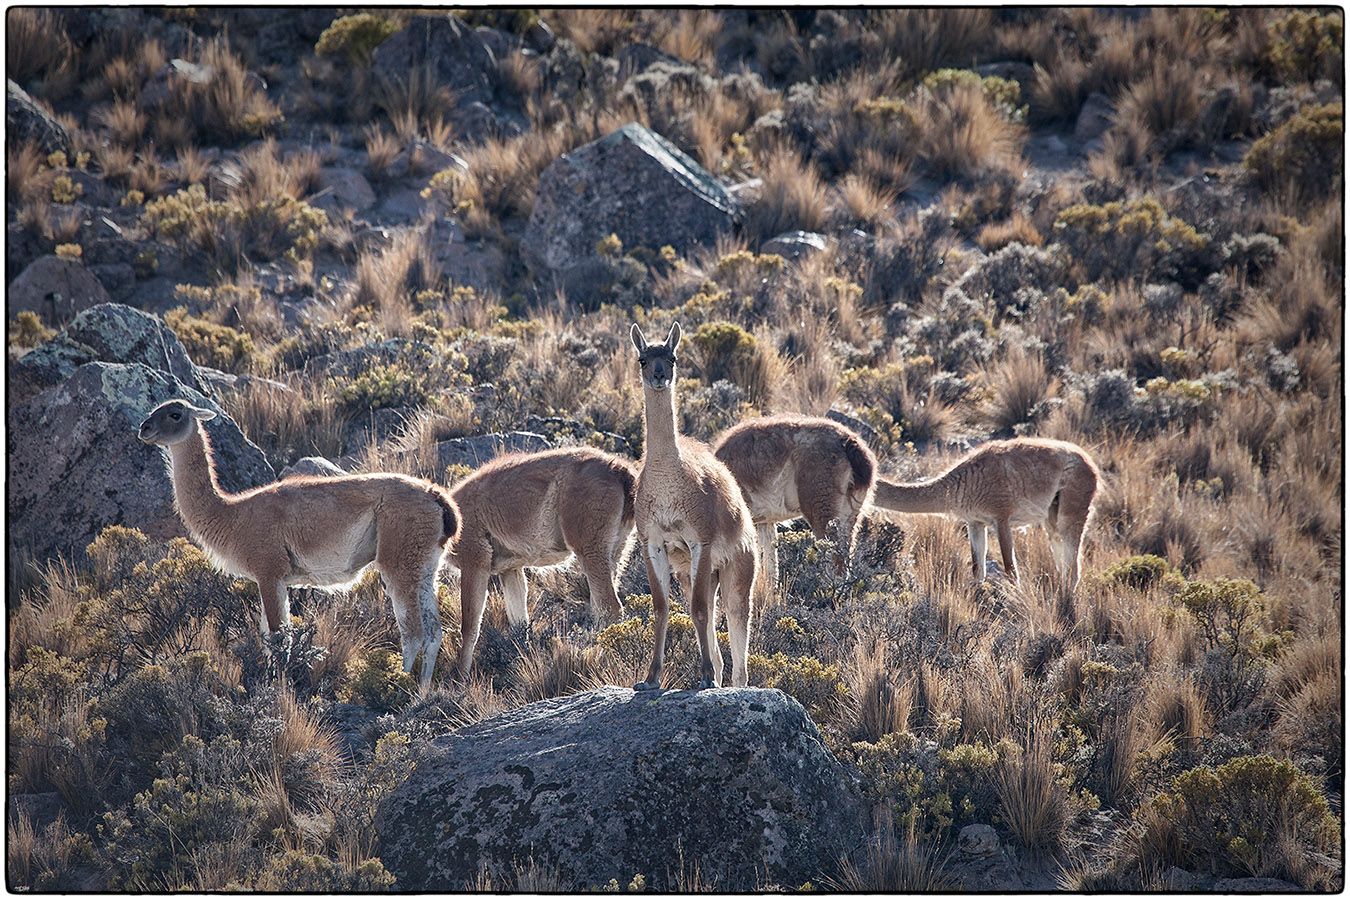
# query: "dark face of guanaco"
{"type": "Point", "coordinates": [172, 421]}
{"type": "Point", "coordinates": [657, 360]}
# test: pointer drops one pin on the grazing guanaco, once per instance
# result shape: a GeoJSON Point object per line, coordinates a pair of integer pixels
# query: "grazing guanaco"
{"type": "Point", "coordinates": [537, 509]}
{"type": "Point", "coordinates": [691, 515]}
{"type": "Point", "coordinates": [1005, 484]}
{"type": "Point", "coordinates": [798, 466]}
{"type": "Point", "coordinates": [313, 531]}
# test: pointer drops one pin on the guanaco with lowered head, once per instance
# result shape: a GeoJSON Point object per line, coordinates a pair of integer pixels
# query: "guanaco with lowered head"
{"type": "Point", "coordinates": [537, 509]}
{"type": "Point", "coordinates": [691, 514]}
{"type": "Point", "coordinates": [1004, 484]}
{"type": "Point", "coordinates": [313, 531]}
{"type": "Point", "coordinates": [797, 466]}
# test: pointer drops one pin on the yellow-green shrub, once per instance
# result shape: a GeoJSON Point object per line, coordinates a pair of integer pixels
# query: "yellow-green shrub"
{"type": "Point", "coordinates": [1132, 239]}
{"type": "Point", "coordinates": [227, 230]}
{"type": "Point", "coordinates": [356, 37]}
{"type": "Point", "coordinates": [815, 685]}
{"type": "Point", "coordinates": [376, 680]}
{"type": "Point", "coordinates": [1302, 155]}
{"type": "Point", "coordinates": [1306, 45]}
{"type": "Point", "coordinates": [209, 344]}
{"type": "Point", "coordinates": [27, 330]}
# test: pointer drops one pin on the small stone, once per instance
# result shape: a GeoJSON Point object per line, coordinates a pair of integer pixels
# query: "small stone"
{"type": "Point", "coordinates": [978, 840]}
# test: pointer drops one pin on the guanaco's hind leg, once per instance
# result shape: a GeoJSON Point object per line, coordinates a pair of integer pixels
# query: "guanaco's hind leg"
{"type": "Point", "coordinates": [710, 640]}
{"type": "Point", "coordinates": [516, 592]}
{"type": "Point", "coordinates": [474, 569]}
{"type": "Point", "coordinates": [658, 579]}
{"type": "Point", "coordinates": [1075, 506]}
{"type": "Point", "coordinates": [275, 611]}
{"type": "Point", "coordinates": [700, 607]}
{"type": "Point", "coordinates": [1005, 546]}
{"type": "Point", "coordinates": [768, 553]}
{"type": "Point", "coordinates": [978, 533]}
{"type": "Point", "coordinates": [600, 553]}
{"type": "Point", "coordinates": [737, 584]}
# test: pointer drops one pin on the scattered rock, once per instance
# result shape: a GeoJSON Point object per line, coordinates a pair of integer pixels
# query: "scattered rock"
{"type": "Point", "coordinates": [795, 244]}
{"type": "Point", "coordinates": [540, 37]}
{"type": "Point", "coordinates": [312, 465]}
{"type": "Point", "coordinates": [454, 54]}
{"type": "Point", "coordinates": [1095, 117]}
{"type": "Point", "coordinates": [41, 809]}
{"type": "Point", "coordinates": [978, 840]}
{"type": "Point", "coordinates": [26, 120]}
{"type": "Point", "coordinates": [85, 469]}
{"type": "Point", "coordinates": [341, 189]}
{"type": "Point", "coordinates": [632, 183]}
{"type": "Point", "coordinates": [479, 449]}
{"type": "Point", "coordinates": [609, 783]}
{"type": "Point", "coordinates": [1178, 879]}
{"type": "Point", "coordinates": [1254, 886]}
{"type": "Point", "coordinates": [56, 289]}
{"type": "Point", "coordinates": [109, 332]}
{"type": "Point", "coordinates": [1022, 73]}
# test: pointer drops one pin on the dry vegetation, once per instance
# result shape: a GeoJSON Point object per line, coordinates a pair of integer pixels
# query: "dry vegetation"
{"type": "Point", "coordinates": [1183, 709]}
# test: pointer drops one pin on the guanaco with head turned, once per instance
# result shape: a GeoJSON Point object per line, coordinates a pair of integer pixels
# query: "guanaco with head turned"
{"type": "Point", "coordinates": [798, 466]}
{"type": "Point", "coordinates": [313, 531]}
{"type": "Point", "coordinates": [691, 515]}
{"type": "Point", "coordinates": [1005, 484]}
{"type": "Point", "coordinates": [538, 509]}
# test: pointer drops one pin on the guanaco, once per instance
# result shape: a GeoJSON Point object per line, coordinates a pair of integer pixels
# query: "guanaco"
{"type": "Point", "coordinates": [797, 466]}
{"type": "Point", "coordinates": [691, 514]}
{"type": "Point", "coordinates": [313, 531]}
{"type": "Point", "coordinates": [1005, 484]}
{"type": "Point", "coordinates": [537, 509]}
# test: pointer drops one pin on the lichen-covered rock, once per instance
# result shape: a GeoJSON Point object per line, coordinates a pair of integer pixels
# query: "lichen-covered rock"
{"type": "Point", "coordinates": [84, 468]}
{"type": "Point", "coordinates": [109, 332]}
{"type": "Point", "coordinates": [343, 189]}
{"type": "Point", "coordinates": [56, 289]}
{"type": "Point", "coordinates": [26, 121]}
{"type": "Point", "coordinates": [978, 840]}
{"type": "Point", "coordinates": [634, 184]}
{"type": "Point", "coordinates": [312, 465]}
{"type": "Point", "coordinates": [612, 783]}
{"type": "Point", "coordinates": [483, 448]}
{"type": "Point", "coordinates": [1096, 116]}
{"type": "Point", "coordinates": [455, 54]}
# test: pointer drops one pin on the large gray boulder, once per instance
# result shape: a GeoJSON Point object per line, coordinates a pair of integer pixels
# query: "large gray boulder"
{"type": "Point", "coordinates": [610, 783]}
{"type": "Point", "coordinates": [478, 449]}
{"type": "Point", "coordinates": [109, 332]}
{"type": "Point", "coordinates": [76, 465]}
{"type": "Point", "coordinates": [456, 55]}
{"type": "Point", "coordinates": [632, 183]}
{"type": "Point", "coordinates": [56, 289]}
{"type": "Point", "coordinates": [25, 120]}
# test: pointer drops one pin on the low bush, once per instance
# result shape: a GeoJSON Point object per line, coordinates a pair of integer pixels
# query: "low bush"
{"type": "Point", "coordinates": [227, 231]}
{"type": "Point", "coordinates": [1252, 816]}
{"type": "Point", "coordinates": [208, 343]}
{"type": "Point", "coordinates": [355, 37]}
{"type": "Point", "coordinates": [1301, 155]}
{"type": "Point", "coordinates": [376, 680]}
{"type": "Point", "coordinates": [1133, 239]}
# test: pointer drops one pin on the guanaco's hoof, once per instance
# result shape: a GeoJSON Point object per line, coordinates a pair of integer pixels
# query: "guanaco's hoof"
{"type": "Point", "coordinates": [645, 686]}
{"type": "Point", "coordinates": [706, 683]}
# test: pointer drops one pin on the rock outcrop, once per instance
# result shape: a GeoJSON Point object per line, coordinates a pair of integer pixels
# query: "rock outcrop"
{"type": "Point", "coordinates": [634, 184]}
{"type": "Point", "coordinates": [56, 289]}
{"type": "Point", "coordinates": [733, 783]}
{"type": "Point", "coordinates": [26, 121]}
{"type": "Point", "coordinates": [75, 405]}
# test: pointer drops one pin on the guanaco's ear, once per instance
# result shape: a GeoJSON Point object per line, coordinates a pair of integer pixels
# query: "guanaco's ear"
{"type": "Point", "coordinates": [639, 341]}
{"type": "Point", "coordinates": [198, 413]}
{"type": "Point", "coordinates": [673, 339]}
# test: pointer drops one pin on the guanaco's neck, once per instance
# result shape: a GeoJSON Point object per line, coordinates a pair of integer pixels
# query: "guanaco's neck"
{"type": "Point", "coordinates": [932, 496]}
{"type": "Point", "coordinates": [196, 492]}
{"type": "Point", "coordinates": [659, 431]}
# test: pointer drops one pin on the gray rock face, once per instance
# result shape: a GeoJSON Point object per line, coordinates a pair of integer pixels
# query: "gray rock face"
{"type": "Point", "coordinates": [482, 448]}
{"type": "Point", "coordinates": [26, 121]}
{"type": "Point", "coordinates": [56, 289]}
{"type": "Point", "coordinates": [312, 465]}
{"type": "Point", "coordinates": [611, 783]}
{"type": "Point", "coordinates": [109, 332]}
{"type": "Point", "coordinates": [632, 183]}
{"type": "Point", "coordinates": [1096, 115]}
{"type": "Point", "coordinates": [795, 244]}
{"type": "Point", "coordinates": [456, 54]}
{"type": "Point", "coordinates": [83, 467]}
{"type": "Point", "coordinates": [344, 189]}
{"type": "Point", "coordinates": [978, 841]}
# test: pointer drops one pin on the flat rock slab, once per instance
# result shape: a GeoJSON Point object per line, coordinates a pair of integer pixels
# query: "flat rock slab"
{"type": "Point", "coordinates": [633, 183]}
{"type": "Point", "coordinates": [735, 783]}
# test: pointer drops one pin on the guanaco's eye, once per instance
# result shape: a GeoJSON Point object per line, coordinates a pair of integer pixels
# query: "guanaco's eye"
{"type": "Point", "coordinates": [175, 416]}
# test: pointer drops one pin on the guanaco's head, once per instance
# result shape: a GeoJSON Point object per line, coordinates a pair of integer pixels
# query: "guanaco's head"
{"type": "Point", "coordinates": [657, 360]}
{"type": "Point", "coordinates": [172, 421]}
